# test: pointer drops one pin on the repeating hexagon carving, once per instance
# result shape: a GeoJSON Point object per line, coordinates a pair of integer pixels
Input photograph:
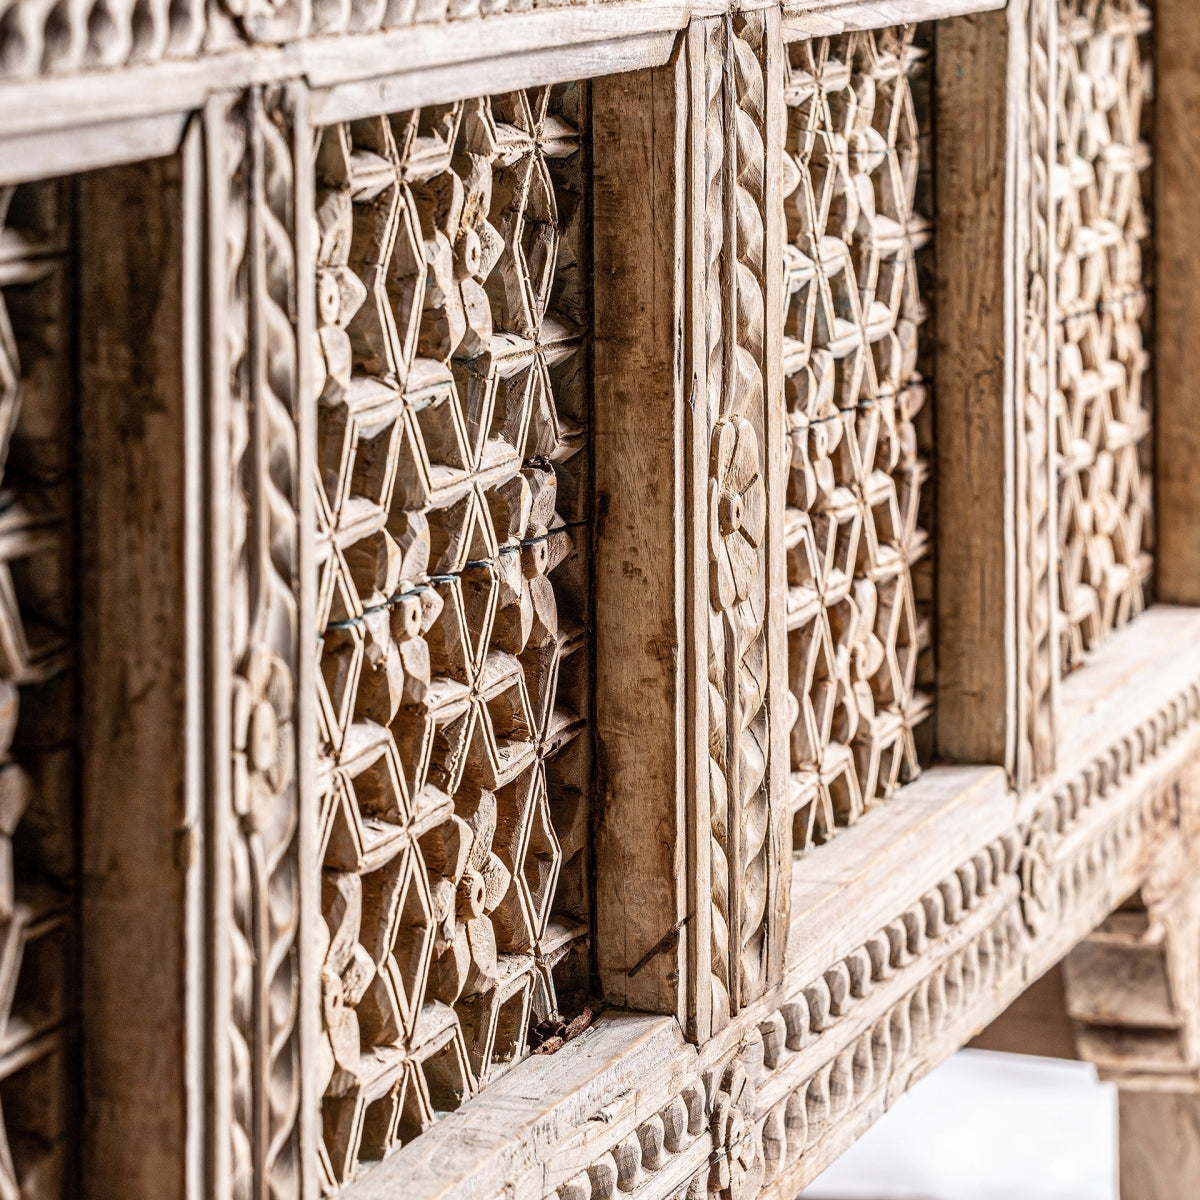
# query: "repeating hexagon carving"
{"type": "Point", "coordinates": [1103, 406]}
{"type": "Point", "coordinates": [36, 800]}
{"type": "Point", "coordinates": [857, 549]}
{"type": "Point", "coordinates": [453, 597]}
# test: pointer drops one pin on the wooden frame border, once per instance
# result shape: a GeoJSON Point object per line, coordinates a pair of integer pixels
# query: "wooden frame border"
{"type": "Point", "coordinates": [802, 1068]}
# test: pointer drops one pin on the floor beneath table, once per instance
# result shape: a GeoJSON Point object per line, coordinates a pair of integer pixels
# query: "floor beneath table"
{"type": "Point", "coordinates": [988, 1126]}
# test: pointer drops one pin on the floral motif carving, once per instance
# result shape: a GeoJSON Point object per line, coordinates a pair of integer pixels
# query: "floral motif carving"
{"type": "Point", "coordinates": [262, 843]}
{"type": "Point", "coordinates": [737, 511]}
{"type": "Point", "coordinates": [737, 1169]}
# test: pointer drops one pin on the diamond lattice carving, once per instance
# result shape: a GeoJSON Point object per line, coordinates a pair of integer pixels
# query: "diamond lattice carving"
{"type": "Point", "coordinates": [453, 599]}
{"type": "Point", "coordinates": [1103, 404]}
{"type": "Point", "coordinates": [36, 802]}
{"type": "Point", "coordinates": [858, 571]}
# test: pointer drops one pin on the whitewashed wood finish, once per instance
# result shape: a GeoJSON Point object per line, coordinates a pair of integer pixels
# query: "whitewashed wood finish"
{"type": "Point", "coordinates": [356, 256]}
{"type": "Point", "coordinates": [860, 585]}
{"type": "Point", "coordinates": [1102, 405]}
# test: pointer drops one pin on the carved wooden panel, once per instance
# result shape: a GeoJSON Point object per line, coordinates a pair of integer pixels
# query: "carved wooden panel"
{"type": "Point", "coordinates": [859, 581]}
{"type": "Point", "coordinates": [380, 406]}
{"type": "Point", "coordinates": [1103, 404]}
{"type": "Point", "coordinates": [41, 38]}
{"type": "Point", "coordinates": [37, 803]}
{"type": "Point", "coordinates": [453, 309]}
{"type": "Point", "coordinates": [736, 99]}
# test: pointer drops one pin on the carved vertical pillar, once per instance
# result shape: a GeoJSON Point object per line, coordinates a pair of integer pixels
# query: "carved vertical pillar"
{"type": "Point", "coordinates": [689, 555]}
{"type": "Point", "coordinates": [260, 613]}
{"type": "Point", "coordinates": [737, 361]}
{"type": "Point", "coordinates": [1038, 667]}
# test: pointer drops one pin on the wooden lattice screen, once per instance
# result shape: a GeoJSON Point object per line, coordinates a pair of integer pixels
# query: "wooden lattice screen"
{"type": "Point", "coordinates": [587, 590]}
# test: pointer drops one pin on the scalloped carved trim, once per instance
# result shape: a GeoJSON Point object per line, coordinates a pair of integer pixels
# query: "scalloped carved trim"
{"type": "Point", "coordinates": [840, 1049]}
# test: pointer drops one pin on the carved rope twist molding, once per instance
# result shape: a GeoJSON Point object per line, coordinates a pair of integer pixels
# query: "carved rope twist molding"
{"type": "Point", "coordinates": [714, 101]}
{"type": "Point", "coordinates": [749, 510]}
{"type": "Point", "coordinates": [263, 846]}
{"type": "Point", "coordinates": [1039, 367]}
{"type": "Point", "coordinates": [737, 513]}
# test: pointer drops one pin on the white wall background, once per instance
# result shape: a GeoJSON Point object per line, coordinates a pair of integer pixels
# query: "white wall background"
{"type": "Point", "coordinates": [988, 1126]}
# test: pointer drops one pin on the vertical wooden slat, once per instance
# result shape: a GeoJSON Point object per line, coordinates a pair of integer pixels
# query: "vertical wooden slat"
{"type": "Point", "coordinates": [696, 594]}
{"type": "Point", "coordinates": [311, 922]}
{"type": "Point", "coordinates": [777, 454]}
{"type": "Point", "coordinates": [195, 654]}
{"type": "Point", "coordinates": [639, 132]}
{"type": "Point", "coordinates": [139, 847]}
{"type": "Point", "coordinates": [993, 387]}
{"type": "Point", "coordinates": [223, 156]}
{"type": "Point", "coordinates": [1176, 347]}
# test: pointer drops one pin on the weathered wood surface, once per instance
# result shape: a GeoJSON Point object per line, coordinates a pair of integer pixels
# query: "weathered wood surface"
{"type": "Point", "coordinates": [648, 879]}
{"type": "Point", "coordinates": [509, 475]}
{"type": "Point", "coordinates": [947, 948]}
{"type": "Point", "coordinates": [123, 111]}
{"type": "Point", "coordinates": [980, 233]}
{"type": "Point", "coordinates": [134, 692]}
{"type": "Point", "coordinates": [1177, 441]}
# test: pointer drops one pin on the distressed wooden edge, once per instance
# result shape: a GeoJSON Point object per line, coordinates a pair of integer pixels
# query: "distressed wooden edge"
{"type": "Point", "coordinates": [641, 705]}
{"type": "Point", "coordinates": [816, 1063]}
{"type": "Point", "coordinates": [802, 21]}
{"type": "Point", "coordinates": [258, 531]}
{"type": "Point", "coordinates": [89, 111]}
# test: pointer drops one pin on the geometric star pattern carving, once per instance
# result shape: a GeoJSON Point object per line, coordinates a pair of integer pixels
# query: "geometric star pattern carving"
{"type": "Point", "coordinates": [857, 547]}
{"type": "Point", "coordinates": [1103, 405]}
{"type": "Point", "coordinates": [452, 600]}
{"type": "Point", "coordinates": [36, 805]}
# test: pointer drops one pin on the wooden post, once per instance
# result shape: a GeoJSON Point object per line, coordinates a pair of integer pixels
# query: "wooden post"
{"type": "Point", "coordinates": [690, 558]}
{"type": "Point", "coordinates": [996, 673]}
{"type": "Point", "coordinates": [1176, 278]}
{"type": "Point", "coordinates": [1133, 993]}
{"type": "Point", "coordinates": [642, 638]}
{"type": "Point", "coordinates": [142, 850]}
{"type": "Point", "coordinates": [1159, 1142]}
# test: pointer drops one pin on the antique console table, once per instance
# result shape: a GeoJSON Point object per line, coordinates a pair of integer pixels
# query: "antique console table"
{"type": "Point", "coordinates": [588, 590]}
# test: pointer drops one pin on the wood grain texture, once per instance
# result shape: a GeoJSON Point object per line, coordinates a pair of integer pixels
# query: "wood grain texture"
{"type": "Point", "coordinates": [1158, 1143]}
{"type": "Point", "coordinates": [1176, 162]}
{"type": "Point", "coordinates": [642, 847]}
{"type": "Point", "coordinates": [976, 386]}
{"type": "Point", "coordinates": [133, 701]}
